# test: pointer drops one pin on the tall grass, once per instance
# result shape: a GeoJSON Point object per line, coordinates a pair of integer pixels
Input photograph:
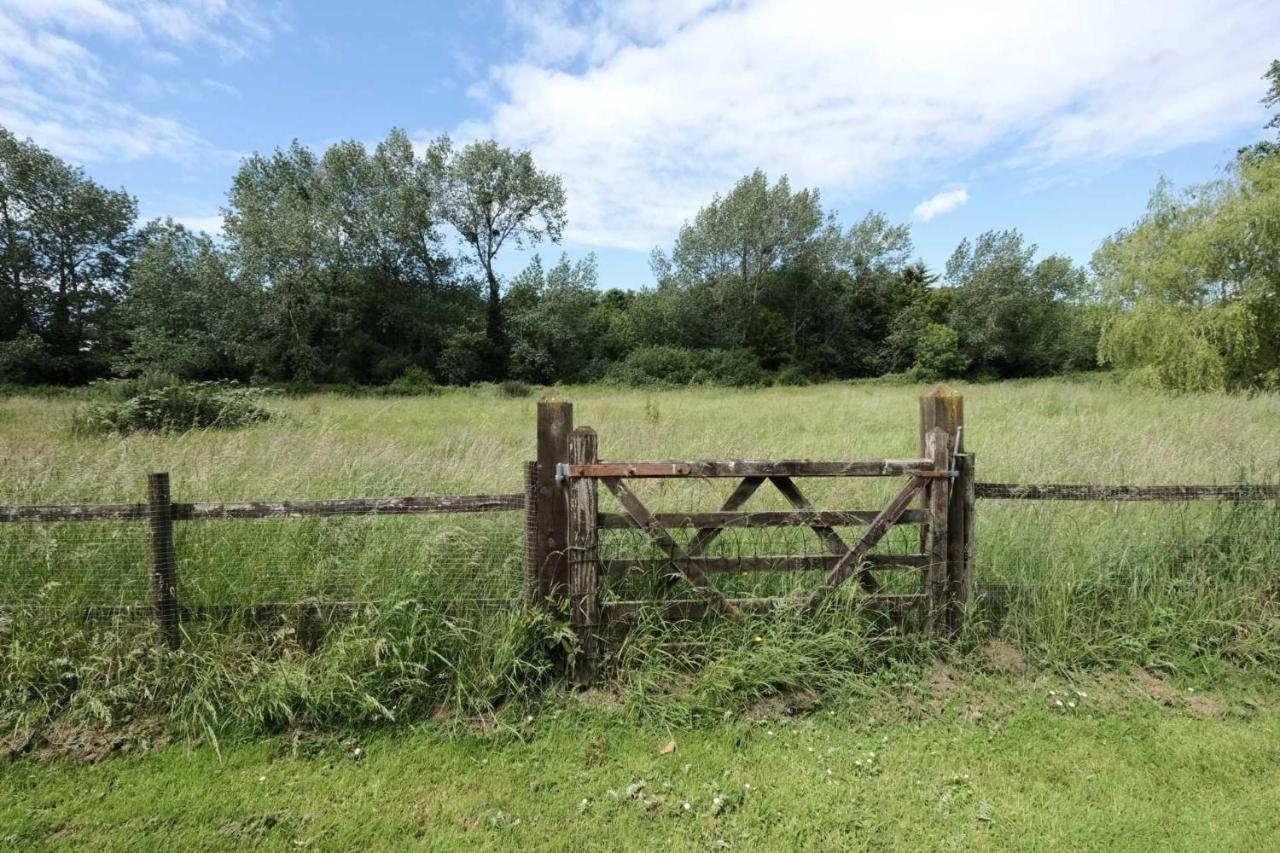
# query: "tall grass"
{"type": "Point", "coordinates": [1169, 586]}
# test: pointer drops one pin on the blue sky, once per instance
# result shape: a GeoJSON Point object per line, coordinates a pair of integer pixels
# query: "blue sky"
{"type": "Point", "coordinates": [1054, 119]}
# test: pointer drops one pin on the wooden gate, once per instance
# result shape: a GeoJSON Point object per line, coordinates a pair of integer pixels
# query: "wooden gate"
{"type": "Point", "coordinates": [939, 481]}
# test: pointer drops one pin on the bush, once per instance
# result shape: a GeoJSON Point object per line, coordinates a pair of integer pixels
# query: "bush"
{"type": "Point", "coordinates": [514, 388]}
{"type": "Point", "coordinates": [937, 354]}
{"type": "Point", "coordinates": [414, 382]}
{"type": "Point", "coordinates": [667, 365]}
{"type": "Point", "coordinates": [162, 404]}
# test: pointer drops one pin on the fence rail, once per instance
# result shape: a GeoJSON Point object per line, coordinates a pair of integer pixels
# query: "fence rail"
{"type": "Point", "coordinates": [447, 504]}
{"type": "Point", "coordinates": [1082, 492]}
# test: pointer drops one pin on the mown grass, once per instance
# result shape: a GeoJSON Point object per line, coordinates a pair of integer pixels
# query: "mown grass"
{"type": "Point", "coordinates": [955, 762]}
{"type": "Point", "coordinates": [1188, 589]}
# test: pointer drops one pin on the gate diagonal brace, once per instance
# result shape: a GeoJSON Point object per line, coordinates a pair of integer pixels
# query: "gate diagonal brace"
{"type": "Point", "coordinates": [828, 535]}
{"type": "Point", "coordinates": [669, 546]}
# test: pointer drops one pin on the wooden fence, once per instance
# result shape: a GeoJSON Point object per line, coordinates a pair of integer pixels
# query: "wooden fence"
{"type": "Point", "coordinates": [562, 521]}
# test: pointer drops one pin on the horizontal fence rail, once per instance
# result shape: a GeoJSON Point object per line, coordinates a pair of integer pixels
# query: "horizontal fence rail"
{"type": "Point", "coordinates": [268, 509]}
{"type": "Point", "coordinates": [1080, 492]}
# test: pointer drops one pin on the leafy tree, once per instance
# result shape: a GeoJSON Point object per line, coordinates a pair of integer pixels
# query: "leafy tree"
{"type": "Point", "coordinates": [1194, 286]}
{"type": "Point", "coordinates": [1012, 313]}
{"type": "Point", "coordinates": [495, 195]}
{"type": "Point", "coordinates": [550, 317]}
{"type": "Point", "coordinates": [64, 242]}
{"type": "Point", "coordinates": [348, 250]}
{"type": "Point", "coordinates": [186, 314]}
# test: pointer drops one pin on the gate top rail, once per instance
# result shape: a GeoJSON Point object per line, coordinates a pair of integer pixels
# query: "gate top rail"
{"type": "Point", "coordinates": [749, 468]}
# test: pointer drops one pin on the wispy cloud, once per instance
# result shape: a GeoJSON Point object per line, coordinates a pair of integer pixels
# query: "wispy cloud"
{"type": "Point", "coordinates": [940, 203]}
{"type": "Point", "coordinates": [647, 111]}
{"type": "Point", "coordinates": [56, 88]}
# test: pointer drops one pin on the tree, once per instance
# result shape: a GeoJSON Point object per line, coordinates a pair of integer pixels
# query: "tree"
{"type": "Point", "coordinates": [186, 313]}
{"type": "Point", "coordinates": [1013, 314]}
{"type": "Point", "coordinates": [64, 242]}
{"type": "Point", "coordinates": [347, 248]}
{"type": "Point", "coordinates": [495, 195]}
{"type": "Point", "coordinates": [552, 334]}
{"type": "Point", "coordinates": [1193, 288]}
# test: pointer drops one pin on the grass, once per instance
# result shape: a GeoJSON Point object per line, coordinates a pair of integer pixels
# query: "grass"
{"type": "Point", "coordinates": [1132, 604]}
{"type": "Point", "coordinates": [980, 761]}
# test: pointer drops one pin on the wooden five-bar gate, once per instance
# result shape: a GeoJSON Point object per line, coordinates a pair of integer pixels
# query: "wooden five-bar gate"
{"type": "Point", "coordinates": [564, 561]}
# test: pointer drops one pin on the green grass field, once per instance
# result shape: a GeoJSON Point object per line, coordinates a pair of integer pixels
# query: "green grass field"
{"type": "Point", "coordinates": [1131, 603]}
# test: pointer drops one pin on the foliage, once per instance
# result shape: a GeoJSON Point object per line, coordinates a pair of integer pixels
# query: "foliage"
{"type": "Point", "coordinates": [64, 242]}
{"type": "Point", "coordinates": [414, 382]}
{"type": "Point", "coordinates": [186, 312]}
{"type": "Point", "coordinates": [1194, 286]}
{"type": "Point", "coordinates": [673, 366]}
{"type": "Point", "coordinates": [515, 389]}
{"type": "Point", "coordinates": [938, 354]}
{"type": "Point", "coordinates": [169, 405]}
{"type": "Point", "coordinates": [492, 195]}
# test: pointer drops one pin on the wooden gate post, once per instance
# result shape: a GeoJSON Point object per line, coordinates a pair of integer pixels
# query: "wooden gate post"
{"type": "Point", "coordinates": [960, 540]}
{"type": "Point", "coordinates": [584, 511]}
{"type": "Point", "coordinates": [943, 408]}
{"type": "Point", "coordinates": [555, 422]}
{"type": "Point", "coordinates": [938, 500]}
{"type": "Point", "coordinates": [164, 572]}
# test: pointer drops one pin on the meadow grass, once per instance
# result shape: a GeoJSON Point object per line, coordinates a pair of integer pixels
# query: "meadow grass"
{"type": "Point", "coordinates": [1179, 588]}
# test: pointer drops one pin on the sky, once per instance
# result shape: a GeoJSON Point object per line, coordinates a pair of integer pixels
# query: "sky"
{"type": "Point", "coordinates": [1056, 119]}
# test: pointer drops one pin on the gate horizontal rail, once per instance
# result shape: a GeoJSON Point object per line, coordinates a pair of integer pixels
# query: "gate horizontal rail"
{"type": "Point", "coordinates": [846, 518]}
{"type": "Point", "coordinates": [750, 468]}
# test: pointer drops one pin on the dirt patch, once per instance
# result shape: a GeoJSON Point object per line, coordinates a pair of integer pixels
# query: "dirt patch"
{"type": "Point", "coordinates": [941, 681]}
{"type": "Point", "coordinates": [89, 744]}
{"type": "Point", "coordinates": [1004, 659]}
{"type": "Point", "coordinates": [1153, 687]}
{"type": "Point", "coordinates": [782, 705]}
{"type": "Point", "coordinates": [596, 697]}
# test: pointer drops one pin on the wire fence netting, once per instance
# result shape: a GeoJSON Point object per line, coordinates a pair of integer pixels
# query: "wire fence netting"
{"type": "Point", "coordinates": [106, 568]}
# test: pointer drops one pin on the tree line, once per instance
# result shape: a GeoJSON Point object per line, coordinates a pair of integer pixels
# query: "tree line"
{"type": "Point", "coordinates": [364, 266]}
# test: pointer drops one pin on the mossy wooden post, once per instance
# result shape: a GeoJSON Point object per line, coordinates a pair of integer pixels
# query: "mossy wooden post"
{"type": "Point", "coordinates": [555, 422]}
{"type": "Point", "coordinates": [938, 497]}
{"type": "Point", "coordinates": [960, 540]}
{"type": "Point", "coordinates": [532, 582]}
{"type": "Point", "coordinates": [164, 573]}
{"type": "Point", "coordinates": [943, 408]}
{"type": "Point", "coordinates": [584, 510]}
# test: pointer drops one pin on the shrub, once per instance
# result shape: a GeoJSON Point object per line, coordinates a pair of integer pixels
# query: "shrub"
{"type": "Point", "coordinates": [937, 354]}
{"type": "Point", "coordinates": [414, 382]}
{"type": "Point", "coordinates": [514, 388]}
{"type": "Point", "coordinates": [667, 365]}
{"type": "Point", "coordinates": [162, 404]}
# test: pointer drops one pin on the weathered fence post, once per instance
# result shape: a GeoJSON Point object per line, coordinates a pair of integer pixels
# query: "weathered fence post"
{"type": "Point", "coordinates": [960, 540]}
{"type": "Point", "coordinates": [584, 510]}
{"type": "Point", "coordinates": [943, 408]}
{"type": "Point", "coordinates": [532, 582]}
{"type": "Point", "coordinates": [555, 422]}
{"type": "Point", "coordinates": [938, 500]}
{"type": "Point", "coordinates": [164, 577]}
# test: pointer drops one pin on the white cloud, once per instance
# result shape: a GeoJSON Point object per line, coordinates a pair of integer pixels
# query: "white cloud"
{"type": "Point", "coordinates": [940, 203]}
{"type": "Point", "coordinates": [211, 225]}
{"type": "Point", "coordinates": [646, 112]}
{"type": "Point", "coordinates": [56, 88]}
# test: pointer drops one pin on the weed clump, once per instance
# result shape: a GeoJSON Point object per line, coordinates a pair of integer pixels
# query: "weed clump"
{"type": "Point", "coordinates": [168, 405]}
{"type": "Point", "coordinates": [513, 388]}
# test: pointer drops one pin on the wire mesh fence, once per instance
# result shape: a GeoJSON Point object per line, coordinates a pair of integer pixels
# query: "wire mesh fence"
{"type": "Point", "coordinates": [119, 570]}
